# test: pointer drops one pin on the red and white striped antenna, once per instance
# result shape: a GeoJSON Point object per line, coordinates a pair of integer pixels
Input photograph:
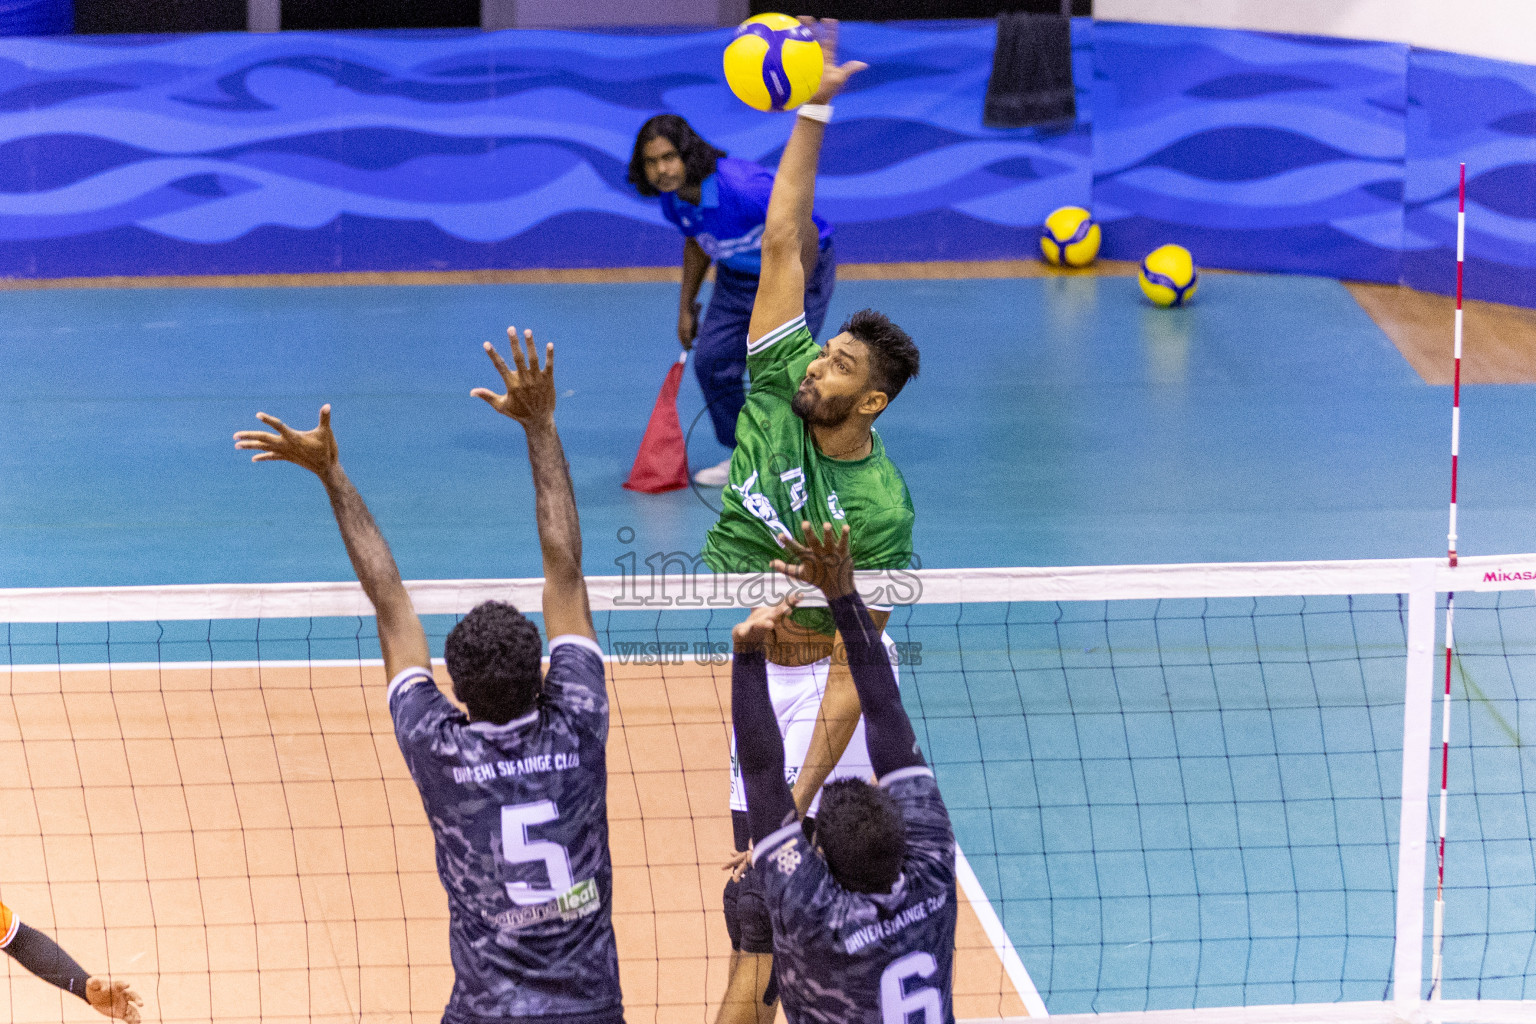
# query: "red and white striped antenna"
{"type": "Point", "coordinates": [1437, 964]}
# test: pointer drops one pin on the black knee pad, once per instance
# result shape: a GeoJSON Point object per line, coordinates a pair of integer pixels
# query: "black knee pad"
{"type": "Point", "coordinates": [729, 900]}
{"type": "Point", "coordinates": [753, 925]}
{"type": "Point", "coordinates": [746, 914]}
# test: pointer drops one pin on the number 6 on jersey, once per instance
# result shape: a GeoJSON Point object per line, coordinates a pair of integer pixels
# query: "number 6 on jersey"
{"type": "Point", "coordinates": [897, 1005]}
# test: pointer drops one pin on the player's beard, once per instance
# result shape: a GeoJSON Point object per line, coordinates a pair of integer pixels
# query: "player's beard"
{"type": "Point", "coordinates": [822, 412]}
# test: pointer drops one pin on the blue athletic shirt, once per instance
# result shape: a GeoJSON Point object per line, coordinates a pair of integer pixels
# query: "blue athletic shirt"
{"type": "Point", "coordinates": [728, 222]}
{"type": "Point", "coordinates": [519, 816]}
{"type": "Point", "coordinates": [846, 957]}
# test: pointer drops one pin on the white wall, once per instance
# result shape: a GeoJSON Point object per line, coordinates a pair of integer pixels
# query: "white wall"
{"type": "Point", "coordinates": [1503, 29]}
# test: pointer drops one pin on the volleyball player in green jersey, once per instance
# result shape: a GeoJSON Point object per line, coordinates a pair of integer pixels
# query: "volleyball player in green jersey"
{"type": "Point", "coordinates": [806, 449]}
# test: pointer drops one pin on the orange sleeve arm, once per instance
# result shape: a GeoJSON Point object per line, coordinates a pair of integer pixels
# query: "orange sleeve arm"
{"type": "Point", "coordinates": [8, 925]}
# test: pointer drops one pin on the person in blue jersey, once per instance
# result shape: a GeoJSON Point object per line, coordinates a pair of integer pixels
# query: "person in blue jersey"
{"type": "Point", "coordinates": [863, 910]}
{"type": "Point", "coordinates": [720, 204]}
{"type": "Point", "coordinates": [516, 785]}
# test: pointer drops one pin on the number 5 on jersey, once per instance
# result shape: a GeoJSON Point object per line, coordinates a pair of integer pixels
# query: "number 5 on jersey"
{"type": "Point", "coordinates": [517, 848]}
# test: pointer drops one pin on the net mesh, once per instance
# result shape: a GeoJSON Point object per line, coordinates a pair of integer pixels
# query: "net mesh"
{"type": "Point", "coordinates": [1170, 803]}
{"type": "Point", "coordinates": [1490, 938]}
{"type": "Point", "coordinates": [1183, 803]}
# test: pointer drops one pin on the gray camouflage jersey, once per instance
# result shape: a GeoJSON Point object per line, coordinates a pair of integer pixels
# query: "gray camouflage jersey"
{"type": "Point", "coordinates": [519, 815]}
{"type": "Point", "coordinates": [852, 958]}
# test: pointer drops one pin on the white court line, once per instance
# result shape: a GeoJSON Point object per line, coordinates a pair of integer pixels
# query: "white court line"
{"type": "Point", "coordinates": [1012, 965]}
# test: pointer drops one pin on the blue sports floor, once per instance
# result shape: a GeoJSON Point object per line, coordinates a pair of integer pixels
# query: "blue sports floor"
{"type": "Point", "coordinates": [1056, 421]}
{"type": "Point", "coordinates": [1198, 808]}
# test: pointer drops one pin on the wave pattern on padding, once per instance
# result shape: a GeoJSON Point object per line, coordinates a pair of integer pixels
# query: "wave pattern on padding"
{"type": "Point", "coordinates": [443, 150]}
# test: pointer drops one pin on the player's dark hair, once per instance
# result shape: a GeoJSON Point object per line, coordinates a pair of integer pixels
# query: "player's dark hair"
{"type": "Point", "coordinates": [895, 358]}
{"type": "Point", "coordinates": [699, 157]}
{"type": "Point", "coordinates": [494, 656]}
{"type": "Point", "coordinates": [861, 833]}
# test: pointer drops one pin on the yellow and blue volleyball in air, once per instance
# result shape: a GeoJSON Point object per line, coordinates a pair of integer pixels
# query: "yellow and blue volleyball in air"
{"type": "Point", "coordinates": [1168, 276]}
{"type": "Point", "coordinates": [1071, 238]}
{"type": "Point", "coordinates": [774, 63]}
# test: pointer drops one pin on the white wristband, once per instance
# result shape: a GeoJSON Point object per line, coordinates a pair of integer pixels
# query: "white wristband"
{"type": "Point", "coordinates": [816, 111]}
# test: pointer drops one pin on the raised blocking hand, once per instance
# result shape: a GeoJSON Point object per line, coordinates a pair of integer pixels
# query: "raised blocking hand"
{"type": "Point", "coordinates": [530, 396]}
{"type": "Point", "coordinates": [315, 449]}
{"type": "Point", "coordinates": [761, 625]}
{"type": "Point", "coordinates": [824, 560]}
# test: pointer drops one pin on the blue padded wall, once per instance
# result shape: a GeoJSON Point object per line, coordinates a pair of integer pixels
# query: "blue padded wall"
{"type": "Point", "coordinates": [302, 152]}
{"type": "Point", "coordinates": [443, 150]}
{"type": "Point", "coordinates": [1483, 112]}
{"type": "Point", "coordinates": [1256, 152]}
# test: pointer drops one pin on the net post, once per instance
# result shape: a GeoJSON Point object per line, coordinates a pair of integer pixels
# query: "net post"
{"type": "Point", "coordinates": [1413, 825]}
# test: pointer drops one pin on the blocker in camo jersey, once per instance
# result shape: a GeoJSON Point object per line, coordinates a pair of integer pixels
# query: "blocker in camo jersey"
{"type": "Point", "coordinates": [519, 815]}
{"type": "Point", "coordinates": [847, 957]}
{"type": "Point", "coordinates": [779, 477]}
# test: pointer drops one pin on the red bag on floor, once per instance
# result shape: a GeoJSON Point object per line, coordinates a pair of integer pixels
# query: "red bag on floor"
{"type": "Point", "coordinates": [662, 463]}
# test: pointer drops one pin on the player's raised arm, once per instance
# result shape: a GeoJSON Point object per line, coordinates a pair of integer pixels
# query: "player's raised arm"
{"type": "Point", "coordinates": [530, 400]}
{"type": "Point", "coordinates": [401, 637]}
{"type": "Point", "coordinates": [826, 564]}
{"type": "Point", "coordinates": [759, 748]}
{"type": "Point", "coordinates": [781, 287]}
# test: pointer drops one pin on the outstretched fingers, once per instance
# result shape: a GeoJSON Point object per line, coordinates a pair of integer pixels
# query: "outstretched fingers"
{"type": "Point", "coordinates": [518, 359]}
{"type": "Point", "coordinates": [794, 572]}
{"type": "Point", "coordinates": [286, 443]}
{"type": "Point", "coordinates": [276, 424]}
{"type": "Point", "coordinates": [533, 350]}
{"type": "Point", "coordinates": [823, 542]}
{"type": "Point", "coordinates": [795, 547]}
{"type": "Point", "coordinates": [501, 364]}
{"type": "Point", "coordinates": [259, 441]}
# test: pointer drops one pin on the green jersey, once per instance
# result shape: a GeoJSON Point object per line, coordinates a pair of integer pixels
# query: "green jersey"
{"type": "Point", "coordinates": [778, 478]}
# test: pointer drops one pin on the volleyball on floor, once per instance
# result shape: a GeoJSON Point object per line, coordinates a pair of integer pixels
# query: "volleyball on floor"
{"type": "Point", "coordinates": [774, 63]}
{"type": "Point", "coordinates": [1070, 238]}
{"type": "Point", "coordinates": [1168, 276]}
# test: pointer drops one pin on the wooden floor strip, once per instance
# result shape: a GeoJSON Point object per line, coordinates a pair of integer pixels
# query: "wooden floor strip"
{"type": "Point", "coordinates": [1498, 345]}
{"type": "Point", "coordinates": [935, 270]}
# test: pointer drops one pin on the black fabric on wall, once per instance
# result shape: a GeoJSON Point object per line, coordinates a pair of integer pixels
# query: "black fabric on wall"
{"type": "Point", "coordinates": [101, 16]}
{"type": "Point", "coordinates": [344, 14]}
{"type": "Point", "coordinates": [898, 10]}
{"type": "Point", "coordinates": [1031, 79]}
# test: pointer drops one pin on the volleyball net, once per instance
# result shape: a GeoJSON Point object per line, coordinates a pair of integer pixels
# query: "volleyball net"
{"type": "Point", "coordinates": [1178, 791]}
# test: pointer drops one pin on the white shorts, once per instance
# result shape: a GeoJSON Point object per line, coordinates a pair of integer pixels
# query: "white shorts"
{"type": "Point", "coordinates": [796, 693]}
